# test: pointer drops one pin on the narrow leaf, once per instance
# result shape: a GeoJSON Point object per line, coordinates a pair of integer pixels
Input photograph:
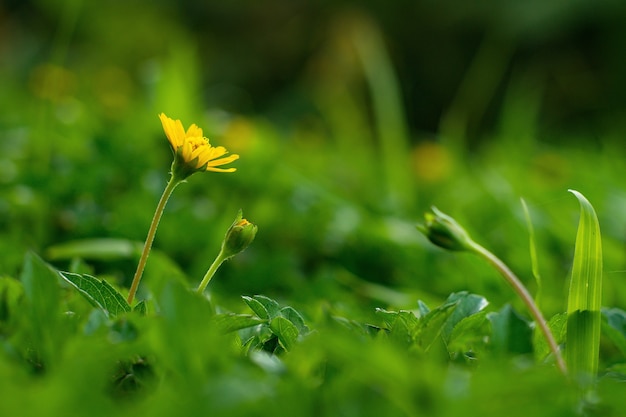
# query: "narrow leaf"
{"type": "Point", "coordinates": [585, 295]}
{"type": "Point", "coordinates": [98, 292]}
{"type": "Point", "coordinates": [533, 250]}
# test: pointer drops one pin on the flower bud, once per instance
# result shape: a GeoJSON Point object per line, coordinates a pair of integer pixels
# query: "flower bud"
{"type": "Point", "coordinates": [238, 237]}
{"type": "Point", "coordinates": [445, 232]}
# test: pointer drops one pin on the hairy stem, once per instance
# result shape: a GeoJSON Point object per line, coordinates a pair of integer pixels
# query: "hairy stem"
{"type": "Point", "coordinates": [209, 274]}
{"type": "Point", "coordinates": [523, 293]}
{"type": "Point", "coordinates": [169, 188]}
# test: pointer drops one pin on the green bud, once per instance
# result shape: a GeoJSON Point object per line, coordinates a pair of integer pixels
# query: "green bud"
{"type": "Point", "coordinates": [238, 237]}
{"type": "Point", "coordinates": [445, 232]}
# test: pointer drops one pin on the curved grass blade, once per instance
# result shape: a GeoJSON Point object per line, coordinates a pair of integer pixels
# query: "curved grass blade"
{"type": "Point", "coordinates": [585, 296]}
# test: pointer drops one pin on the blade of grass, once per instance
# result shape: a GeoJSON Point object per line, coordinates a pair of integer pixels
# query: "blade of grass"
{"type": "Point", "coordinates": [585, 296]}
{"type": "Point", "coordinates": [533, 251]}
{"type": "Point", "coordinates": [391, 125]}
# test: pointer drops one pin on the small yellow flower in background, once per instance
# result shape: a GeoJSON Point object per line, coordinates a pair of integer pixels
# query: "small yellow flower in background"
{"type": "Point", "coordinates": [193, 152]}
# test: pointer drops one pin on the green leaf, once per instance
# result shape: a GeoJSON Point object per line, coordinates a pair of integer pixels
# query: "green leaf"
{"type": "Point", "coordinates": [256, 306]}
{"type": "Point", "coordinates": [98, 292]}
{"type": "Point", "coordinates": [42, 307]}
{"type": "Point", "coordinates": [431, 325]}
{"type": "Point", "coordinates": [271, 306]}
{"type": "Point", "coordinates": [558, 327]}
{"type": "Point", "coordinates": [614, 327]}
{"type": "Point", "coordinates": [534, 262]}
{"type": "Point", "coordinates": [140, 308]}
{"type": "Point", "coordinates": [469, 333]}
{"type": "Point", "coordinates": [401, 324]}
{"type": "Point", "coordinates": [585, 295]}
{"type": "Point", "coordinates": [510, 333]}
{"type": "Point", "coordinates": [466, 305]}
{"type": "Point", "coordinates": [285, 330]}
{"type": "Point", "coordinates": [230, 322]}
{"type": "Point", "coordinates": [294, 317]}
{"type": "Point", "coordinates": [41, 287]}
{"type": "Point", "coordinates": [11, 291]}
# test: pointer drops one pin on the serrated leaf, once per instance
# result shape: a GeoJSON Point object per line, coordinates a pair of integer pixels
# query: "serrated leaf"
{"type": "Point", "coordinates": [294, 317]}
{"type": "Point", "coordinates": [271, 306]}
{"type": "Point", "coordinates": [98, 292]}
{"type": "Point", "coordinates": [285, 330]}
{"type": "Point", "coordinates": [466, 306]}
{"type": "Point", "coordinates": [468, 333]}
{"type": "Point", "coordinates": [257, 307]}
{"type": "Point", "coordinates": [431, 325]}
{"type": "Point", "coordinates": [230, 322]}
{"type": "Point", "coordinates": [401, 324]}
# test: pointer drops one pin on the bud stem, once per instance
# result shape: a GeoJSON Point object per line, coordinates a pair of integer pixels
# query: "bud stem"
{"type": "Point", "coordinates": [169, 188]}
{"type": "Point", "coordinates": [212, 269]}
{"type": "Point", "coordinates": [523, 293]}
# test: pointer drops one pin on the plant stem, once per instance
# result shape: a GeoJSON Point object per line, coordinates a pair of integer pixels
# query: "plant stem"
{"type": "Point", "coordinates": [169, 188]}
{"type": "Point", "coordinates": [523, 293]}
{"type": "Point", "coordinates": [219, 260]}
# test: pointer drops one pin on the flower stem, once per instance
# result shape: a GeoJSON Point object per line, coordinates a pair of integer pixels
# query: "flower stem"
{"type": "Point", "coordinates": [523, 293]}
{"type": "Point", "coordinates": [169, 188]}
{"type": "Point", "coordinates": [219, 260]}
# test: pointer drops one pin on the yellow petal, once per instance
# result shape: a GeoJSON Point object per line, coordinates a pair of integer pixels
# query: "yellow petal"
{"type": "Point", "coordinates": [173, 130]}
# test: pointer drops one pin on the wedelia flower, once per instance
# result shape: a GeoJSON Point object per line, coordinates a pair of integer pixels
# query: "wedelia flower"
{"type": "Point", "coordinates": [192, 151]}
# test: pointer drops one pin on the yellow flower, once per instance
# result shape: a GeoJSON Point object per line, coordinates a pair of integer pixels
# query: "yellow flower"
{"type": "Point", "coordinates": [192, 150]}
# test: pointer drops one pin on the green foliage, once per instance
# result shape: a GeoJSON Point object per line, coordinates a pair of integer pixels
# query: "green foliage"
{"type": "Point", "coordinates": [99, 293]}
{"type": "Point", "coordinates": [343, 141]}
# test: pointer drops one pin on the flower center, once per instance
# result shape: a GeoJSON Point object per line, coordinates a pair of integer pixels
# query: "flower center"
{"type": "Point", "coordinates": [197, 143]}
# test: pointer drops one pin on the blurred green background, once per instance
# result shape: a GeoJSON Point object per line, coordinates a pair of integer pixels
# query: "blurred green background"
{"type": "Point", "coordinates": [351, 119]}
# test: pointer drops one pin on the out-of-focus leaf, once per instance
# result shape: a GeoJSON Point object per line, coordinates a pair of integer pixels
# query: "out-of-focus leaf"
{"type": "Point", "coordinates": [230, 322]}
{"type": "Point", "coordinates": [510, 333]}
{"type": "Point", "coordinates": [100, 249]}
{"type": "Point", "coordinates": [140, 308]}
{"type": "Point", "coordinates": [558, 327]}
{"type": "Point", "coordinates": [614, 327]}
{"type": "Point", "coordinates": [11, 291]}
{"type": "Point", "coordinates": [42, 295]}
